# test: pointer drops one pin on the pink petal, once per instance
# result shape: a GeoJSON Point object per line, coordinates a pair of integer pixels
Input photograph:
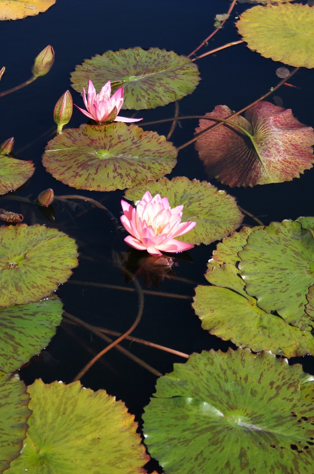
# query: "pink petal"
{"type": "Point", "coordinates": [126, 119]}
{"type": "Point", "coordinates": [84, 112]}
{"type": "Point", "coordinates": [174, 245]}
{"type": "Point", "coordinates": [153, 251]}
{"type": "Point", "coordinates": [127, 208]}
{"type": "Point", "coordinates": [134, 243]}
{"type": "Point", "coordinates": [183, 228]}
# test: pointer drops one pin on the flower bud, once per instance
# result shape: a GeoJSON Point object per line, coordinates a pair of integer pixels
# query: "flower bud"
{"type": "Point", "coordinates": [2, 71]}
{"type": "Point", "coordinates": [44, 61]}
{"type": "Point", "coordinates": [63, 111]}
{"type": "Point", "coordinates": [6, 147]}
{"type": "Point", "coordinates": [45, 198]}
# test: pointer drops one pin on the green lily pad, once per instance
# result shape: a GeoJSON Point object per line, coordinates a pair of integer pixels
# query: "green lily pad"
{"type": "Point", "coordinates": [282, 32]}
{"type": "Point", "coordinates": [14, 414]}
{"type": "Point", "coordinates": [275, 147]}
{"type": "Point", "coordinates": [108, 157]}
{"type": "Point", "coordinates": [73, 429]}
{"type": "Point", "coordinates": [215, 212]}
{"type": "Point", "coordinates": [149, 78]}
{"type": "Point", "coordinates": [229, 312]}
{"type": "Point", "coordinates": [34, 260]}
{"type": "Point", "coordinates": [231, 412]}
{"type": "Point", "coordinates": [25, 330]}
{"type": "Point", "coordinates": [14, 173]}
{"type": "Point", "coordinates": [277, 267]}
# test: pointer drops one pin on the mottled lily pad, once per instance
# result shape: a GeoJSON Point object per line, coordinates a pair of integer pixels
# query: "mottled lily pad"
{"type": "Point", "coordinates": [282, 32]}
{"type": "Point", "coordinates": [232, 412]}
{"type": "Point", "coordinates": [149, 78]}
{"type": "Point", "coordinates": [275, 147]}
{"type": "Point", "coordinates": [215, 212]}
{"type": "Point", "coordinates": [25, 330]}
{"type": "Point", "coordinates": [108, 157]}
{"type": "Point", "coordinates": [13, 418]}
{"type": "Point", "coordinates": [33, 261]}
{"type": "Point", "coordinates": [73, 429]}
{"type": "Point", "coordinates": [18, 9]}
{"type": "Point", "coordinates": [227, 311]}
{"type": "Point", "coordinates": [14, 173]}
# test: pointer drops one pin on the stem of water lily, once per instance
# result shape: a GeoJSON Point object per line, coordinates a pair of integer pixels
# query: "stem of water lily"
{"type": "Point", "coordinates": [225, 46]}
{"type": "Point", "coordinates": [17, 88]}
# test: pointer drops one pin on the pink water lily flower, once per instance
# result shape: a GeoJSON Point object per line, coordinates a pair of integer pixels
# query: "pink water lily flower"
{"type": "Point", "coordinates": [101, 107]}
{"type": "Point", "coordinates": [153, 225]}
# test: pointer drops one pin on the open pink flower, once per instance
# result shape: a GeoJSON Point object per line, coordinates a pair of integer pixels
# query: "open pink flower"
{"type": "Point", "coordinates": [153, 225]}
{"type": "Point", "coordinates": [101, 107]}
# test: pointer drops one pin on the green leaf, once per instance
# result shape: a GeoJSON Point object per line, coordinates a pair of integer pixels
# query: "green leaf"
{"type": "Point", "coordinates": [25, 330]}
{"type": "Point", "coordinates": [34, 260]}
{"type": "Point", "coordinates": [215, 212]}
{"type": "Point", "coordinates": [14, 173]}
{"type": "Point", "coordinates": [282, 32]}
{"type": "Point", "coordinates": [13, 418]}
{"type": "Point", "coordinates": [232, 412]}
{"type": "Point", "coordinates": [108, 157]}
{"type": "Point", "coordinates": [149, 78]}
{"type": "Point", "coordinates": [76, 430]}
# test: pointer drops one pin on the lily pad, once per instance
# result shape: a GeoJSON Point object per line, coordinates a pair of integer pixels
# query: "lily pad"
{"type": "Point", "coordinates": [73, 429]}
{"type": "Point", "coordinates": [14, 173]}
{"type": "Point", "coordinates": [231, 412]}
{"type": "Point", "coordinates": [14, 414]}
{"type": "Point", "coordinates": [227, 311]}
{"type": "Point", "coordinates": [25, 330]}
{"type": "Point", "coordinates": [275, 147]}
{"type": "Point", "coordinates": [18, 9]}
{"type": "Point", "coordinates": [149, 78]}
{"type": "Point", "coordinates": [108, 157]}
{"type": "Point", "coordinates": [215, 212]}
{"type": "Point", "coordinates": [277, 267]}
{"type": "Point", "coordinates": [34, 260]}
{"type": "Point", "coordinates": [282, 32]}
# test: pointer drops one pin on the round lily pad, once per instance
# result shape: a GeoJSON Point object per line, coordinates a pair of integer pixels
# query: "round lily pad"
{"type": "Point", "coordinates": [275, 147]}
{"type": "Point", "coordinates": [26, 329]}
{"type": "Point", "coordinates": [73, 429]}
{"type": "Point", "coordinates": [14, 414]}
{"type": "Point", "coordinates": [149, 78]}
{"type": "Point", "coordinates": [232, 412]}
{"type": "Point", "coordinates": [282, 32]}
{"type": "Point", "coordinates": [277, 267]}
{"type": "Point", "coordinates": [215, 212]}
{"type": "Point", "coordinates": [14, 173]}
{"type": "Point", "coordinates": [18, 9]}
{"type": "Point", "coordinates": [34, 260]}
{"type": "Point", "coordinates": [108, 157]}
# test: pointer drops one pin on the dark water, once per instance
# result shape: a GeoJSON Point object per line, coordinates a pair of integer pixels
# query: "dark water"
{"type": "Point", "coordinates": [78, 30]}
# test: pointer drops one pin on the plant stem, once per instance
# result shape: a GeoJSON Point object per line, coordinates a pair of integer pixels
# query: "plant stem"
{"type": "Point", "coordinates": [225, 46]}
{"type": "Point", "coordinates": [16, 88]}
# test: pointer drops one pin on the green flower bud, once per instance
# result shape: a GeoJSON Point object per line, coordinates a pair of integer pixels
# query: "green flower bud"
{"type": "Point", "coordinates": [46, 197]}
{"type": "Point", "coordinates": [44, 61]}
{"type": "Point", "coordinates": [6, 147]}
{"type": "Point", "coordinates": [63, 111]}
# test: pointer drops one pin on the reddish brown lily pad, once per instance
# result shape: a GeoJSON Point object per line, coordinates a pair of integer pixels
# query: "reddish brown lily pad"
{"type": "Point", "coordinates": [275, 148]}
{"type": "Point", "coordinates": [14, 173]}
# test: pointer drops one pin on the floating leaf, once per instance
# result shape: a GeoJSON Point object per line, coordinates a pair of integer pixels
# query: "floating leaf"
{"type": "Point", "coordinates": [215, 212]}
{"type": "Point", "coordinates": [73, 429]}
{"type": "Point", "coordinates": [279, 147]}
{"type": "Point", "coordinates": [33, 261]}
{"type": "Point", "coordinates": [108, 157]}
{"type": "Point", "coordinates": [25, 330]}
{"type": "Point", "coordinates": [18, 9]}
{"type": "Point", "coordinates": [13, 418]}
{"type": "Point", "coordinates": [232, 412]}
{"type": "Point", "coordinates": [282, 32]}
{"type": "Point", "coordinates": [13, 173]}
{"type": "Point", "coordinates": [149, 78]}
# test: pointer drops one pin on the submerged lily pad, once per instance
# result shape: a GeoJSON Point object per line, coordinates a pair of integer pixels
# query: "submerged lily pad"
{"type": "Point", "coordinates": [33, 261]}
{"type": "Point", "coordinates": [14, 414]}
{"type": "Point", "coordinates": [215, 212]}
{"type": "Point", "coordinates": [149, 78]}
{"type": "Point", "coordinates": [232, 412]}
{"type": "Point", "coordinates": [73, 429]}
{"type": "Point", "coordinates": [282, 32]}
{"type": "Point", "coordinates": [25, 330]}
{"type": "Point", "coordinates": [14, 173]}
{"type": "Point", "coordinates": [228, 311]}
{"type": "Point", "coordinates": [277, 146]}
{"type": "Point", "coordinates": [108, 157]}
{"type": "Point", "coordinates": [18, 9]}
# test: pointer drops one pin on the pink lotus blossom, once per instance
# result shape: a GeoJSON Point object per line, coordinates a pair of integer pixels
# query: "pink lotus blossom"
{"type": "Point", "coordinates": [101, 107]}
{"type": "Point", "coordinates": [153, 225]}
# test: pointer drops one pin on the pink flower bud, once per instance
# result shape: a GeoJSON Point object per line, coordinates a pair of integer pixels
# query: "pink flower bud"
{"type": "Point", "coordinates": [44, 61]}
{"type": "Point", "coordinates": [46, 197]}
{"type": "Point", "coordinates": [6, 147]}
{"type": "Point", "coordinates": [2, 71]}
{"type": "Point", "coordinates": [63, 111]}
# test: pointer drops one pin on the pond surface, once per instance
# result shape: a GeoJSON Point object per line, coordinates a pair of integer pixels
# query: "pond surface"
{"type": "Point", "coordinates": [79, 30]}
